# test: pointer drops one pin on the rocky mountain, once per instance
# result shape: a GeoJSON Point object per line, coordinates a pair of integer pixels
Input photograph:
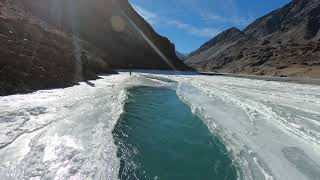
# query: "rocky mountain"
{"type": "Point", "coordinates": [114, 27]}
{"type": "Point", "coordinates": [285, 42]}
{"type": "Point", "coordinates": [35, 55]}
{"type": "Point", "coordinates": [181, 56]}
{"type": "Point", "coordinates": [41, 42]}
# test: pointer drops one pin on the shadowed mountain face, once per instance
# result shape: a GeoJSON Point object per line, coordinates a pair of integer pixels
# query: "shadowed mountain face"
{"type": "Point", "coordinates": [284, 42]}
{"type": "Point", "coordinates": [35, 55]}
{"type": "Point", "coordinates": [41, 42]}
{"type": "Point", "coordinates": [114, 27]}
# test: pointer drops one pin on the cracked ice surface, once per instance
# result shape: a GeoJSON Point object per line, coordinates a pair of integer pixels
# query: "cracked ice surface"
{"type": "Point", "coordinates": [62, 133]}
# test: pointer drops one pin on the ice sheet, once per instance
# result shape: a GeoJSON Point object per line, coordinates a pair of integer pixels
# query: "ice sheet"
{"type": "Point", "coordinates": [271, 129]}
{"type": "Point", "coordinates": [62, 133]}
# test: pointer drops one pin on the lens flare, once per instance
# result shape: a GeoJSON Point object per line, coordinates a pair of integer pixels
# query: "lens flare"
{"type": "Point", "coordinates": [117, 23]}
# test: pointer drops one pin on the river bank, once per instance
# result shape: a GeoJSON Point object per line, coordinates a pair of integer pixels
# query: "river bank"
{"type": "Point", "coordinates": [299, 80]}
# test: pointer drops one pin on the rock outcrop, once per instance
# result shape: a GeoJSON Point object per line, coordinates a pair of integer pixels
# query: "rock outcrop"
{"type": "Point", "coordinates": [285, 42]}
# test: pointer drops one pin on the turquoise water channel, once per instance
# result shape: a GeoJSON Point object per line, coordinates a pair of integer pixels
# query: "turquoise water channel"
{"type": "Point", "coordinates": [158, 137]}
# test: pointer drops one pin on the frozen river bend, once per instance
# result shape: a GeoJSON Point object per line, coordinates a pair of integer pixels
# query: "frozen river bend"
{"type": "Point", "coordinates": [271, 130]}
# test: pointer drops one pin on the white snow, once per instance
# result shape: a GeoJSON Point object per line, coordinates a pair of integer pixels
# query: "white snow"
{"type": "Point", "coordinates": [271, 129]}
{"type": "Point", "coordinates": [62, 133]}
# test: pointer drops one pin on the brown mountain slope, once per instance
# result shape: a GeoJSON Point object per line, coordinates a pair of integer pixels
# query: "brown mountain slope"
{"type": "Point", "coordinates": [41, 42]}
{"type": "Point", "coordinates": [214, 47]}
{"type": "Point", "coordinates": [34, 55]}
{"type": "Point", "coordinates": [114, 27]}
{"type": "Point", "coordinates": [286, 42]}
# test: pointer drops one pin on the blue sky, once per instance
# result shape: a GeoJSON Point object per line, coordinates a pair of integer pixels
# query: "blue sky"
{"type": "Point", "coordinates": [190, 23]}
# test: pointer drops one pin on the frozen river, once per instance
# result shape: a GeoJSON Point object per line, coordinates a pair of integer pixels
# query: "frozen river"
{"type": "Point", "coordinates": [271, 130]}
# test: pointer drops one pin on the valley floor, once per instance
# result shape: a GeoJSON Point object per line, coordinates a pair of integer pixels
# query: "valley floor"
{"type": "Point", "coordinates": [271, 129]}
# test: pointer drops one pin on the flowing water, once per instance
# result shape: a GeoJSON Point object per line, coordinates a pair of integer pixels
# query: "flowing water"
{"type": "Point", "coordinates": [159, 138]}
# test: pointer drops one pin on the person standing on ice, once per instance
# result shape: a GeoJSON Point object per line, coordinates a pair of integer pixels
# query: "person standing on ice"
{"type": "Point", "coordinates": [130, 66]}
{"type": "Point", "coordinates": [84, 62]}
